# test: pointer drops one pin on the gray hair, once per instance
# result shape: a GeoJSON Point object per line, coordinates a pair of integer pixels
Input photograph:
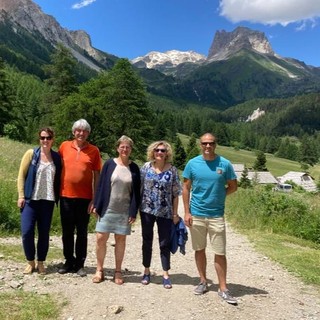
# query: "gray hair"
{"type": "Point", "coordinates": [124, 139]}
{"type": "Point", "coordinates": [81, 124]}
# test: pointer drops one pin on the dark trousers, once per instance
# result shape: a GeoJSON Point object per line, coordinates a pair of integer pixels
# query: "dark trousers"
{"type": "Point", "coordinates": [36, 212]}
{"type": "Point", "coordinates": [164, 233]}
{"type": "Point", "coordinates": [74, 218]}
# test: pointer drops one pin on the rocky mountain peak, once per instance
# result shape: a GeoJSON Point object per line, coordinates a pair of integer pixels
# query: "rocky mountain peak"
{"type": "Point", "coordinates": [225, 44]}
{"type": "Point", "coordinates": [11, 5]}
{"type": "Point", "coordinates": [28, 15]}
{"type": "Point", "coordinates": [172, 58]}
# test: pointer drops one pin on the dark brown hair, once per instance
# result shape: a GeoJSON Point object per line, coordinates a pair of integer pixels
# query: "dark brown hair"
{"type": "Point", "coordinates": [48, 130]}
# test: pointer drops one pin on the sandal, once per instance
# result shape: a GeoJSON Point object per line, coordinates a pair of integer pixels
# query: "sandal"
{"type": "Point", "coordinates": [118, 279]}
{"type": "Point", "coordinates": [146, 279]}
{"type": "Point", "coordinates": [166, 283]}
{"type": "Point", "coordinates": [98, 277]}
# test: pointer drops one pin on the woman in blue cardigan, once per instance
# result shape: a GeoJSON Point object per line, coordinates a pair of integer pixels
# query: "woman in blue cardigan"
{"type": "Point", "coordinates": [38, 188]}
{"type": "Point", "coordinates": [116, 204]}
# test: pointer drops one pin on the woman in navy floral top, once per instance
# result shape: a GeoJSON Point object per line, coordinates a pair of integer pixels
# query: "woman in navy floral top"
{"type": "Point", "coordinates": [159, 204]}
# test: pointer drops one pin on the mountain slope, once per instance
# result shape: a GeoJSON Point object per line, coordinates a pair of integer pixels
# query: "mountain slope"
{"type": "Point", "coordinates": [26, 16]}
{"type": "Point", "coordinates": [244, 76]}
{"type": "Point", "coordinates": [241, 65]}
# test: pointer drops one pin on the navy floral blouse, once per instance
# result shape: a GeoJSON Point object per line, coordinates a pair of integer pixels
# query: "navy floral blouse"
{"type": "Point", "coordinates": [158, 190]}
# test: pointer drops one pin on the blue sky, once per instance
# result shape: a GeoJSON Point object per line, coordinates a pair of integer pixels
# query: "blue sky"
{"type": "Point", "coordinates": [132, 28]}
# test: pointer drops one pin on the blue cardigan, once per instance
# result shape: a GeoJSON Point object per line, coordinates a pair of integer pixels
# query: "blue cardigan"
{"type": "Point", "coordinates": [102, 194]}
{"type": "Point", "coordinates": [179, 237]}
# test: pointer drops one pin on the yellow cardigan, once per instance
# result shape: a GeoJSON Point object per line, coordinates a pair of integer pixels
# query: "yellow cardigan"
{"type": "Point", "coordinates": [23, 170]}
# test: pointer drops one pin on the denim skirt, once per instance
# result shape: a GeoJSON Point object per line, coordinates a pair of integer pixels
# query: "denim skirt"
{"type": "Point", "coordinates": [114, 222]}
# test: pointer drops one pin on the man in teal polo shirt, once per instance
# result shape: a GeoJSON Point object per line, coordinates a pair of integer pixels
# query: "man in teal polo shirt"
{"type": "Point", "coordinates": [211, 178]}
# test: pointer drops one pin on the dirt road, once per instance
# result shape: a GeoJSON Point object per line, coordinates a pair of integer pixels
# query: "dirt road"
{"type": "Point", "coordinates": [263, 288]}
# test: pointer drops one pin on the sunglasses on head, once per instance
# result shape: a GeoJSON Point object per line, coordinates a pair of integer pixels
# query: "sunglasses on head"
{"type": "Point", "coordinates": [208, 143]}
{"type": "Point", "coordinates": [46, 138]}
{"type": "Point", "coordinates": [160, 150]}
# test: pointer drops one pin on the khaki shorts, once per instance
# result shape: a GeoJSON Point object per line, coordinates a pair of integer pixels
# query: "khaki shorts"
{"type": "Point", "coordinates": [216, 229]}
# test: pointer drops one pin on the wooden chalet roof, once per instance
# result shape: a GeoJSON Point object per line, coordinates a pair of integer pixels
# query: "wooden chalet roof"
{"type": "Point", "coordinates": [263, 177]}
{"type": "Point", "coordinates": [302, 179]}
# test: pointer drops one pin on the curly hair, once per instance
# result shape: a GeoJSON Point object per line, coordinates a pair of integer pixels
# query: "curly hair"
{"type": "Point", "coordinates": [155, 145]}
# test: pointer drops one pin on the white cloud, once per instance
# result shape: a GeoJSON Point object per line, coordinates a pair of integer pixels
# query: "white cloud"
{"type": "Point", "coordinates": [82, 4]}
{"type": "Point", "coordinates": [271, 12]}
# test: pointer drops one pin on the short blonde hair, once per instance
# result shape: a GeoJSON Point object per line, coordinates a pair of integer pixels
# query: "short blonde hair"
{"type": "Point", "coordinates": [124, 139]}
{"type": "Point", "coordinates": [155, 145]}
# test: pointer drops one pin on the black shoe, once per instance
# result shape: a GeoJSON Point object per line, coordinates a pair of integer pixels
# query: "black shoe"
{"type": "Point", "coordinates": [81, 272]}
{"type": "Point", "coordinates": [66, 268]}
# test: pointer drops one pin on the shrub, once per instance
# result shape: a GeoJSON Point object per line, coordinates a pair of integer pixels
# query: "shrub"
{"type": "Point", "coordinates": [12, 132]}
{"type": "Point", "coordinates": [289, 214]}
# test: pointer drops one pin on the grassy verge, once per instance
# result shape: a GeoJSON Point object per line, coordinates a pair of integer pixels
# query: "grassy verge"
{"type": "Point", "coordinates": [19, 305]}
{"type": "Point", "coordinates": [14, 252]}
{"type": "Point", "coordinates": [298, 256]}
{"type": "Point", "coordinates": [22, 305]}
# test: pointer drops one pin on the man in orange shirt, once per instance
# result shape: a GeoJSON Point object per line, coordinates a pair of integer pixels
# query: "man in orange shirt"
{"type": "Point", "coordinates": [80, 173]}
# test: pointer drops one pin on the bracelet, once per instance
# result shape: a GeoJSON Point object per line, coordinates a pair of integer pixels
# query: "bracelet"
{"type": "Point", "coordinates": [175, 215]}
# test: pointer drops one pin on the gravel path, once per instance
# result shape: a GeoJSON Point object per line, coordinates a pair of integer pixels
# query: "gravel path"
{"type": "Point", "coordinates": [264, 289]}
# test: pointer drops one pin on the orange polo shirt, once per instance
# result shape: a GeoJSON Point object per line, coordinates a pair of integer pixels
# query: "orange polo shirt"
{"type": "Point", "coordinates": [77, 170]}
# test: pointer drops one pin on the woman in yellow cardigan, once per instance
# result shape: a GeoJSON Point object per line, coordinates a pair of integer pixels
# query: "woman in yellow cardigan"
{"type": "Point", "coordinates": [38, 189]}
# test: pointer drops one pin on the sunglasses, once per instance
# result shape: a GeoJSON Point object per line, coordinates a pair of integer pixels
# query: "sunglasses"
{"type": "Point", "coordinates": [160, 150]}
{"type": "Point", "coordinates": [208, 143]}
{"type": "Point", "coordinates": [46, 138]}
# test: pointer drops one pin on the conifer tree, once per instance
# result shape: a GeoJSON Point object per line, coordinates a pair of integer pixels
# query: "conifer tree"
{"type": "Point", "coordinates": [62, 77]}
{"type": "Point", "coordinates": [160, 127]}
{"type": "Point", "coordinates": [6, 97]}
{"type": "Point", "coordinates": [192, 143]}
{"type": "Point", "coordinates": [180, 155]}
{"type": "Point", "coordinates": [114, 104]}
{"type": "Point", "coordinates": [308, 151]}
{"type": "Point", "coordinates": [127, 109]}
{"type": "Point", "coordinates": [260, 162]}
{"type": "Point", "coordinates": [192, 148]}
{"type": "Point", "coordinates": [244, 180]}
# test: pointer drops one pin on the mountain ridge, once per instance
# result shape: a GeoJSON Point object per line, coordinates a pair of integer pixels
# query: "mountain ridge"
{"type": "Point", "coordinates": [241, 64]}
{"type": "Point", "coordinates": [226, 45]}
